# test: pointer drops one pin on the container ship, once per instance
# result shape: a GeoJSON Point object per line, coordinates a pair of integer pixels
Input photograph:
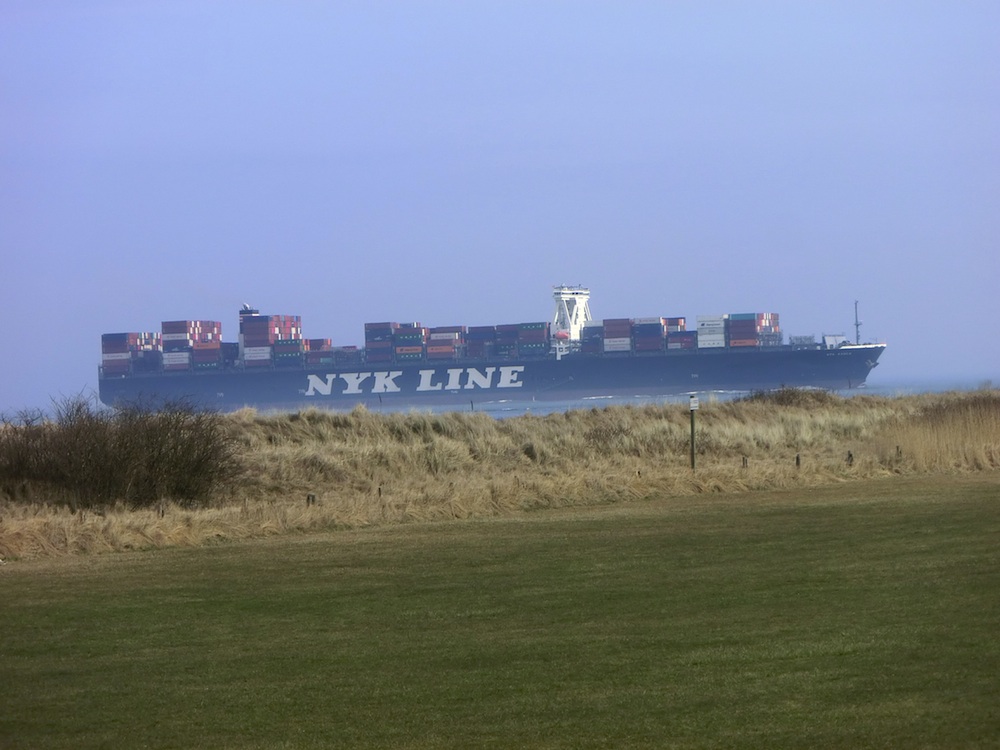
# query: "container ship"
{"type": "Point", "coordinates": [272, 366]}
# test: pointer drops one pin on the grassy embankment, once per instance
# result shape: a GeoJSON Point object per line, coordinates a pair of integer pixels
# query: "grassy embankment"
{"type": "Point", "coordinates": [861, 614]}
{"type": "Point", "coordinates": [366, 468]}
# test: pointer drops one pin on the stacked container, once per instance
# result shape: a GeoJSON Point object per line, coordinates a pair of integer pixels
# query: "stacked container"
{"type": "Point", "coordinates": [378, 341]}
{"type": "Point", "coordinates": [276, 341]}
{"type": "Point", "coordinates": [259, 334]}
{"type": "Point", "coordinates": [122, 353]}
{"type": "Point", "coordinates": [480, 341]}
{"type": "Point", "coordinates": [648, 334]}
{"type": "Point", "coordinates": [346, 355]}
{"type": "Point", "coordinates": [506, 340]}
{"type": "Point", "coordinates": [682, 340]}
{"type": "Point", "coordinates": [288, 352]}
{"type": "Point", "coordinates": [753, 329]}
{"type": "Point", "coordinates": [711, 331]}
{"type": "Point", "coordinates": [230, 353]}
{"type": "Point", "coordinates": [409, 342]}
{"type": "Point", "coordinates": [191, 344]}
{"type": "Point", "coordinates": [592, 337]}
{"type": "Point", "coordinates": [533, 339]}
{"type": "Point", "coordinates": [617, 335]}
{"type": "Point", "coordinates": [317, 352]}
{"type": "Point", "coordinates": [445, 342]}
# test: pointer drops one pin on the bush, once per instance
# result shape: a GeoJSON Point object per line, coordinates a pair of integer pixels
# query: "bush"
{"type": "Point", "coordinates": [86, 456]}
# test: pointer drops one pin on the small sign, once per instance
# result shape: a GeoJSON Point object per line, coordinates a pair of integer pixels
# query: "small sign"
{"type": "Point", "coordinates": [694, 403]}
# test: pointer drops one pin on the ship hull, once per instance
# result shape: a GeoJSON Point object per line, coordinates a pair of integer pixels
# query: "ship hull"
{"type": "Point", "coordinates": [463, 382]}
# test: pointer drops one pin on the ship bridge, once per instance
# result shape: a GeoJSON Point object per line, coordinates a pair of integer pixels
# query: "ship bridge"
{"type": "Point", "coordinates": [572, 310]}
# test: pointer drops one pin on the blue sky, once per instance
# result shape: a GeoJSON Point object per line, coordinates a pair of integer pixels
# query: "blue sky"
{"type": "Point", "coordinates": [449, 162]}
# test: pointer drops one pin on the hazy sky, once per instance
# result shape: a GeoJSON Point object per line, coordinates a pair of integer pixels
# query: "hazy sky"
{"type": "Point", "coordinates": [449, 162]}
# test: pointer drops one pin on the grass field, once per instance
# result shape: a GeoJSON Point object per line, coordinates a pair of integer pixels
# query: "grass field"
{"type": "Point", "coordinates": [863, 614]}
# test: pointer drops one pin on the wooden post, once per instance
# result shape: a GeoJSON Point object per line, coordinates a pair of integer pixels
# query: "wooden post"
{"type": "Point", "coordinates": [693, 407]}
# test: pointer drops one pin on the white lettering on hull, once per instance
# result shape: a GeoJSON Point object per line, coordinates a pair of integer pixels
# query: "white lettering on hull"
{"type": "Point", "coordinates": [385, 382]}
{"type": "Point", "coordinates": [320, 386]}
{"type": "Point", "coordinates": [426, 383]}
{"type": "Point", "coordinates": [354, 381]}
{"type": "Point", "coordinates": [479, 379]}
{"type": "Point", "coordinates": [509, 375]}
{"type": "Point", "coordinates": [454, 376]}
{"type": "Point", "coordinates": [451, 379]}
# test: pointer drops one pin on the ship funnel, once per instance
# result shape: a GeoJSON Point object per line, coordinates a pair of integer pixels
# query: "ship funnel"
{"type": "Point", "coordinates": [572, 310]}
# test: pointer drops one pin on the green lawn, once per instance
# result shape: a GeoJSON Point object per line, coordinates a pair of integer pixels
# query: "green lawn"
{"type": "Point", "coordinates": [865, 615]}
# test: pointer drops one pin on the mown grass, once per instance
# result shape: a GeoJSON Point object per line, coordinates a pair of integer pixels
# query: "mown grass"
{"type": "Point", "coordinates": [856, 615]}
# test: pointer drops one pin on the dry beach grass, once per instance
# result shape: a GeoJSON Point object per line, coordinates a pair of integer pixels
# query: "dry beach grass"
{"type": "Point", "coordinates": [363, 468]}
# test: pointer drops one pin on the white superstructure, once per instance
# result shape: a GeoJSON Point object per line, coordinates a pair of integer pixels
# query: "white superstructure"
{"type": "Point", "coordinates": [572, 310]}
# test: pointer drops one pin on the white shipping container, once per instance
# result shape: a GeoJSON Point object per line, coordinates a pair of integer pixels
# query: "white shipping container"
{"type": "Point", "coordinates": [175, 337]}
{"type": "Point", "coordinates": [443, 337]}
{"type": "Point", "coordinates": [648, 321]}
{"type": "Point", "coordinates": [618, 345]}
{"type": "Point", "coordinates": [115, 357]}
{"type": "Point", "coordinates": [711, 343]}
{"type": "Point", "coordinates": [176, 358]}
{"type": "Point", "coordinates": [256, 352]}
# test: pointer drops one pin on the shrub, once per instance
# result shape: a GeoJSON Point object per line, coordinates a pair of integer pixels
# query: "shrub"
{"type": "Point", "coordinates": [86, 456]}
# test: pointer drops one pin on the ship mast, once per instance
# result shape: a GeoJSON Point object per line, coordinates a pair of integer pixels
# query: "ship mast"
{"type": "Point", "coordinates": [572, 310]}
{"type": "Point", "coordinates": [857, 324]}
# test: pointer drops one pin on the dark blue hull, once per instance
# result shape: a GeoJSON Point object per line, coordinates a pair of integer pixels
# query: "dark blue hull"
{"type": "Point", "coordinates": [437, 383]}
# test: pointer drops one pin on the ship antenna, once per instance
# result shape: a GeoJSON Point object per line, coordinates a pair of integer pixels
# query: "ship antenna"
{"type": "Point", "coordinates": [857, 324]}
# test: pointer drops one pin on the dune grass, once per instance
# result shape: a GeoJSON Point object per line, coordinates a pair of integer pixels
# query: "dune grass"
{"type": "Point", "coordinates": [367, 469]}
{"type": "Point", "coordinates": [860, 614]}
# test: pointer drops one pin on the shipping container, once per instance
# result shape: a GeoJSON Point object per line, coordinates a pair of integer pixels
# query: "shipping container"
{"type": "Point", "coordinates": [623, 344]}
{"type": "Point", "coordinates": [648, 344]}
{"type": "Point", "coordinates": [256, 353]}
{"type": "Point", "coordinates": [709, 342]}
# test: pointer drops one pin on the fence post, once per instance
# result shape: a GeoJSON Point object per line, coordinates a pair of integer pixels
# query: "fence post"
{"type": "Point", "coordinates": [693, 407]}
